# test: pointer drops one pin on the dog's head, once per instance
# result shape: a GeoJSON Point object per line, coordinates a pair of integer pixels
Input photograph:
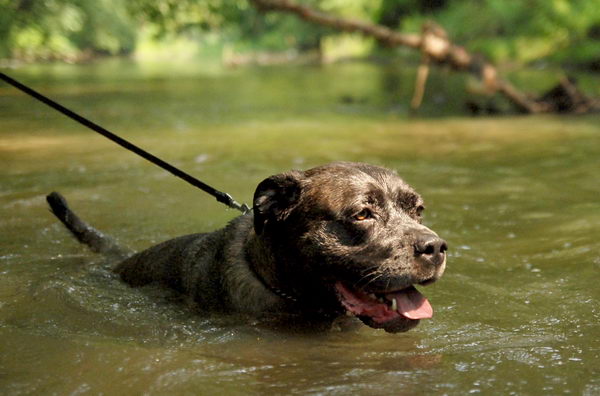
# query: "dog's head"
{"type": "Point", "coordinates": [347, 237]}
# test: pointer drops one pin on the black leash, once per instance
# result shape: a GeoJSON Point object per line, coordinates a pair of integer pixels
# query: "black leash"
{"type": "Point", "coordinates": [219, 195]}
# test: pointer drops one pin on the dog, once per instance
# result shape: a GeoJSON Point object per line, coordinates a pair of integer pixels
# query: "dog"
{"type": "Point", "coordinates": [339, 239]}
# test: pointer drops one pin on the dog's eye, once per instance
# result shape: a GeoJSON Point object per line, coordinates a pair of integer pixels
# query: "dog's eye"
{"type": "Point", "coordinates": [363, 215]}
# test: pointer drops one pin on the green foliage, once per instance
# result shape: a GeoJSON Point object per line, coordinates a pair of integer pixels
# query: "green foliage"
{"type": "Point", "coordinates": [64, 28]}
{"type": "Point", "coordinates": [518, 30]}
{"type": "Point", "coordinates": [236, 21]}
{"type": "Point", "coordinates": [504, 30]}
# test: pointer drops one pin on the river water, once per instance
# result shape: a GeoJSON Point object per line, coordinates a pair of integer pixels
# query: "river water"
{"type": "Point", "coordinates": [517, 198]}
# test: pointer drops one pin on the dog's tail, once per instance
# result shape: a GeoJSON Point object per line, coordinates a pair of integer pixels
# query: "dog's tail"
{"type": "Point", "coordinates": [86, 234]}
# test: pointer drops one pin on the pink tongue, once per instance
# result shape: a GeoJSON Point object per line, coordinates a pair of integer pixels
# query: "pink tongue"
{"type": "Point", "coordinates": [412, 304]}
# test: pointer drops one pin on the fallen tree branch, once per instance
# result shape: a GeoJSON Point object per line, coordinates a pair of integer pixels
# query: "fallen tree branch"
{"type": "Point", "coordinates": [435, 46]}
{"type": "Point", "coordinates": [422, 73]}
{"type": "Point", "coordinates": [380, 33]}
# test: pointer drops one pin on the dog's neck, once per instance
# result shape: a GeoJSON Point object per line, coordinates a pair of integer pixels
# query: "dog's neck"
{"type": "Point", "coordinates": [266, 273]}
{"type": "Point", "coordinates": [273, 289]}
{"type": "Point", "coordinates": [275, 279]}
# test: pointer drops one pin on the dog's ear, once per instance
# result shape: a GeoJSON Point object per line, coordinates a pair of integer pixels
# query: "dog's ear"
{"type": "Point", "coordinates": [275, 197]}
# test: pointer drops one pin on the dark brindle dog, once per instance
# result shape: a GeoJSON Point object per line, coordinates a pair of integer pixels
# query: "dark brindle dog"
{"type": "Point", "coordinates": [336, 239]}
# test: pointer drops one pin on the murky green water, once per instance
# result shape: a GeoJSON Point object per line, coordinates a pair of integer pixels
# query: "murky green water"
{"type": "Point", "coordinates": [517, 198]}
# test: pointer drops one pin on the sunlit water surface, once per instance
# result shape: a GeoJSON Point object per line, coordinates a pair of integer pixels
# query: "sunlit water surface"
{"type": "Point", "coordinates": [517, 198]}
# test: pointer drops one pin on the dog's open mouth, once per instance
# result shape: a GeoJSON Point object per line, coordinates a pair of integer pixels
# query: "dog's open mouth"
{"type": "Point", "coordinates": [394, 311]}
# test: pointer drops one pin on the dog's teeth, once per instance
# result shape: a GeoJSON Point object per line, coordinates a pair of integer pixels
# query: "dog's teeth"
{"type": "Point", "coordinates": [394, 304]}
{"type": "Point", "coordinates": [373, 296]}
{"type": "Point", "coordinates": [380, 299]}
{"type": "Point", "coordinates": [348, 313]}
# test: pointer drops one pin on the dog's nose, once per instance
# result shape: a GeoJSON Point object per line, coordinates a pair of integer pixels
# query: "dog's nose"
{"type": "Point", "coordinates": [431, 248]}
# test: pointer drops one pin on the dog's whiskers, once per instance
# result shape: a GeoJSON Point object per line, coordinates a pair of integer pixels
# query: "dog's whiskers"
{"type": "Point", "coordinates": [374, 275]}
